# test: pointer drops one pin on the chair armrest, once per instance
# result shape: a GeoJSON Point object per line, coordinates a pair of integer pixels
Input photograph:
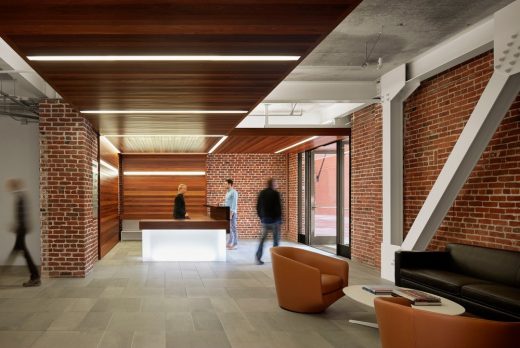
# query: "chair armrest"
{"type": "Point", "coordinates": [326, 264]}
{"type": "Point", "coordinates": [420, 259]}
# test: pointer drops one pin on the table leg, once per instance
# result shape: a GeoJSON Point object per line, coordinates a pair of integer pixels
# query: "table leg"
{"type": "Point", "coordinates": [364, 323]}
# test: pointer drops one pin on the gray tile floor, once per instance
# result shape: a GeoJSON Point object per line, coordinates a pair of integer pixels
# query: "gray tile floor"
{"type": "Point", "coordinates": [127, 303]}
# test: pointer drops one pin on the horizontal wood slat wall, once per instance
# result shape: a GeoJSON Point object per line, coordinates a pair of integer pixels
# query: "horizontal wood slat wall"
{"type": "Point", "coordinates": [151, 196]}
{"type": "Point", "coordinates": [109, 221]}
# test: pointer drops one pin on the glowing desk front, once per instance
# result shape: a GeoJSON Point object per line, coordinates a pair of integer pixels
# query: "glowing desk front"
{"type": "Point", "coordinates": [200, 239]}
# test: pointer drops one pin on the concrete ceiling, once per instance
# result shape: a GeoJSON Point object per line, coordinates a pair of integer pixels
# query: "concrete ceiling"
{"type": "Point", "coordinates": [409, 27]}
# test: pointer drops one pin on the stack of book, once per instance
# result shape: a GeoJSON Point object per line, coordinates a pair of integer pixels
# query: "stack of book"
{"type": "Point", "coordinates": [418, 298]}
{"type": "Point", "coordinates": [379, 289]}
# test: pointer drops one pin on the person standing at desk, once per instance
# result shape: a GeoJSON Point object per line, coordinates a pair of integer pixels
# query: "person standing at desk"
{"type": "Point", "coordinates": [179, 207]}
{"type": "Point", "coordinates": [231, 201]}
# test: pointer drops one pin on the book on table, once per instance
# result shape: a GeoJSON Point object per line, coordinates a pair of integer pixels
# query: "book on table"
{"type": "Point", "coordinates": [379, 289]}
{"type": "Point", "coordinates": [418, 298]}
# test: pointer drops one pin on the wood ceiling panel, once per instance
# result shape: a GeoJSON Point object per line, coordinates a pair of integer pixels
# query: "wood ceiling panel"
{"type": "Point", "coordinates": [256, 144]}
{"type": "Point", "coordinates": [167, 27]}
{"type": "Point", "coordinates": [161, 44]}
{"type": "Point", "coordinates": [164, 144]}
{"type": "Point", "coordinates": [270, 140]}
{"type": "Point", "coordinates": [164, 124]}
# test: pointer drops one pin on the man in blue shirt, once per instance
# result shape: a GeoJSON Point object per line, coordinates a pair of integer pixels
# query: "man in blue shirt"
{"type": "Point", "coordinates": [232, 203]}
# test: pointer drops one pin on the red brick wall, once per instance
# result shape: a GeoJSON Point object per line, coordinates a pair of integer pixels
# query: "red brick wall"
{"type": "Point", "coordinates": [487, 209]}
{"type": "Point", "coordinates": [250, 173]}
{"type": "Point", "coordinates": [292, 193]}
{"type": "Point", "coordinates": [366, 195]}
{"type": "Point", "coordinates": [69, 230]}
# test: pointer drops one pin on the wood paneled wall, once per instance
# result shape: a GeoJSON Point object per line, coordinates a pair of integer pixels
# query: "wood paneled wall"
{"type": "Point", "coordinates": [109, 220]}
{"type": "Point", "coordinates": [151, 196]}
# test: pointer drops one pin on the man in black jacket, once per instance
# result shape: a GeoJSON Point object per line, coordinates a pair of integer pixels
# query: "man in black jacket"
{"type": "Point", "coordinates": [269, 209]}
{"type": "Point", "coordinates": [15, 186]}
{"type": "Point", "coordinates": [179, 207]}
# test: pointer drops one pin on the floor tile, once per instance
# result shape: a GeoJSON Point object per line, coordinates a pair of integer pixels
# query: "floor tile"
{"type": "Point", "coordinates": [67, 339]}
{"type": "Point", "coordinates": [124, 302]}
{"type": "Point", "coordinates": [149, 340]}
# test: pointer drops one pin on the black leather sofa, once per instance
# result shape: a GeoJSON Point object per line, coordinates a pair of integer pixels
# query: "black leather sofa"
{"type": "Point", "coordinates": [485, 281]}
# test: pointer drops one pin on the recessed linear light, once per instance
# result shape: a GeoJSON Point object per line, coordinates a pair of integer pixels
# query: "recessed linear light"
{"type": "Point", "coordinates": [218, 144]}
{"type": "Point", "coordinates": [163, 112]}
{"type": "Point", "coordinates": [109, 143]}
{"type": "Point", "coordinates": [212, 58]}
{"type": "Point", "coordinates": [108, 166]}
{"type": "Point", "coordinates": [298, 143]}
{"type": "Point", "coordinates": [163, 135]}
{"type": "Point", "coordinates": [170, 173]}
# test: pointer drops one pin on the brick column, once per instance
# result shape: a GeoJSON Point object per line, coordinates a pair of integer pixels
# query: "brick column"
{"type": "Point", "coordinates": [69, 228]}
{"type": "Point", "coordinates": [292, 197]}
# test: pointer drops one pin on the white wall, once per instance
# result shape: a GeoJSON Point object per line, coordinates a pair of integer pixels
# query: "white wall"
{"type": "Point", "coordinates": [19, 158]}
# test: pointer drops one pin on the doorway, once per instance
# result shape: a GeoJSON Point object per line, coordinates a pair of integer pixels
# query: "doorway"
{"type": "Point", "coordinates": [324, 198]}
{"type": "Point", "coordinates": [323, 201]}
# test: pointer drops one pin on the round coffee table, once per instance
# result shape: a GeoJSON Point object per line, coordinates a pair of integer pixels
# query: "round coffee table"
{"type": "Point", "coordinates": [357, 293]}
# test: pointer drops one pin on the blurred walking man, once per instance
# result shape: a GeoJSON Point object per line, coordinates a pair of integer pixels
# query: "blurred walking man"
{"type": "Point", "coordinates": [269, 209]}
{"type": "Point", "coordinates": [15, 186]}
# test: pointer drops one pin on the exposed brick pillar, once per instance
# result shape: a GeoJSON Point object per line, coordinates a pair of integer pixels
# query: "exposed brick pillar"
{"type": "Point", "coordinates": [292, 197]}
{"type": "Point", "coordinates": [367, 185]}
{"type": "Point", "coordinates": [69, 228]}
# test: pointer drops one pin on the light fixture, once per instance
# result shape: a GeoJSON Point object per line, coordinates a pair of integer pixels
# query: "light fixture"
{"type": "Point", "coordinates": [298, 143]}
{"type": "Point", "coordinates": [187, 58]}
{"type": "Point", "coordinates": [109, 143]}
{"type": "Point", "coordinates": [163, 112]}
{"type": "Point", "coordinates": [109, 166]}
{"type": "Point", "coordinates": [218, 144]}
{"type": "Point", "coordinates": [163, 135]}
{"type": "Point", "coordinates": [166, 173]}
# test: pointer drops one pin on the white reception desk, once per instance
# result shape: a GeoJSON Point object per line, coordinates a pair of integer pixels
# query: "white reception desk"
{"type": "Point", "coordinates": [201, 239]}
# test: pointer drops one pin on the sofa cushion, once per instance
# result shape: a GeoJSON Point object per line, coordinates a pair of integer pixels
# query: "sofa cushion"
{"type": "Point", "coordinates": [439, 279]}
{"type": "Point", "coordinates": [492, 265]}
{"type": "Point", "coordinates": [330, 283]}
{"type": "Point", "coordinates": [499, 296]}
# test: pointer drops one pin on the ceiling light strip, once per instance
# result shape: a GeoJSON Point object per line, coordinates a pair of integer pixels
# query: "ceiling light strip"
{"type": "Point", "coordinates": [218, 144]}
{"type": "Point", "coordinates": [163, 135]}
{"type": "Point", "coordinates": [109, 143]}
{"type": "Point", "coordinates": [298, 143]}
{"type": "Point", "coordinates": [163, 112]}
{"type": "Point", "coordinates": [166, 173]}
{"type": "Point", "coordinates": [180, 58]}
{"type": "Point", "coordinates": [109, 166]}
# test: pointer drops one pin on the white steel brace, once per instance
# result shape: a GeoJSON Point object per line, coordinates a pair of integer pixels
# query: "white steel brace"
{"type": "Point", "coordinates": [499, 94]}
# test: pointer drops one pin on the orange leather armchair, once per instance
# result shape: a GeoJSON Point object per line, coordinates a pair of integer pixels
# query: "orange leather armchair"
{"type": "Point", "coordinates": [401, 326]}
{"type": "Point", "coordinates": [307, 282]}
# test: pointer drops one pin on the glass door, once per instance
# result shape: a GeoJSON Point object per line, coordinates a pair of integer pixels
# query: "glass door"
{"type": "Point", "coordinates": [324, 198]}
{"type": "Point", "coordinates": [344, 198]}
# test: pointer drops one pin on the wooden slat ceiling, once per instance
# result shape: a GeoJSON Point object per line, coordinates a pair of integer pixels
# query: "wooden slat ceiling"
{"type": "Point", "coordinates": [270, 140]}
{"type": "Point", "coordinates": [167, 27]}
{"type": "Point", "coordinates": [163, 144]}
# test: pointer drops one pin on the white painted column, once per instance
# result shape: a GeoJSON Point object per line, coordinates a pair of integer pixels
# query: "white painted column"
{"type": "Point", "coordinates": [394, 90]}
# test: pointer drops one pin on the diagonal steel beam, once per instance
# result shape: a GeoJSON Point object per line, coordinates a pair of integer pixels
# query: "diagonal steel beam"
{"type": "Point", "coordinates": [499, 94]}
{"type": "Point", "coordinates": [494, 103]}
